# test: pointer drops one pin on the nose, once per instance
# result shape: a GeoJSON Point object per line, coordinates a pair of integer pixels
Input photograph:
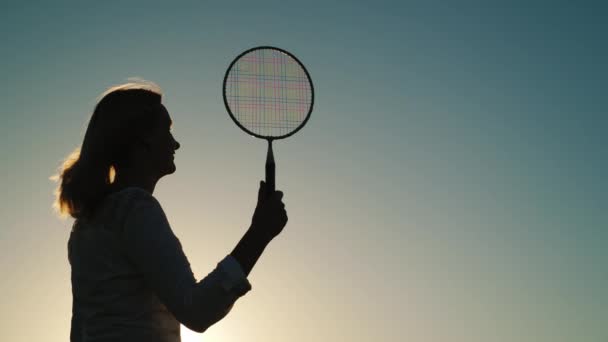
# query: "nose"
{"type": "Point", "coordinates": [177, 145]}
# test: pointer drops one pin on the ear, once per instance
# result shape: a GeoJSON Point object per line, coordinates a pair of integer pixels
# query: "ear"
{"type": "Point", "coordinates": [142, 144]}
{"type": "Point", "coordinates": [146, 144]}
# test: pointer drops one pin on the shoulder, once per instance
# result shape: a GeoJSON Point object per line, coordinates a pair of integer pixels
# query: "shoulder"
{"type": "Point", "coordinates": [121, 205]}
{"type": "Point", "coordinates": [130, 194]}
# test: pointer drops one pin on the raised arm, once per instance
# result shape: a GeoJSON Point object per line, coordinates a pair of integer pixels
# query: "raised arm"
{"type": "Point", "coordinates": [268, 221]}
{"type": "Point", "coordinates": [156, 251]}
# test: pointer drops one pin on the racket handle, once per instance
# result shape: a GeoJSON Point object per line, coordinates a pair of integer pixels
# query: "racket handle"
{"type": "Point", "coordinates": [270, 168]}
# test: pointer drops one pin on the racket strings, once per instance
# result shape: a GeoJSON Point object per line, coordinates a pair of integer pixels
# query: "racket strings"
{"type": "Point", "coordinates": [268, 92]}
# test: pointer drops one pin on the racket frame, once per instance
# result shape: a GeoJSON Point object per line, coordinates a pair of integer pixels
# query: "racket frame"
{"type": "Point", "coordinates": [232, 116]}
{"type": "Point", "coordinates": [270, 164]}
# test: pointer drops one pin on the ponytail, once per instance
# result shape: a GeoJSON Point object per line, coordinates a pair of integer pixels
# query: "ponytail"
{"type": "Point", "coordinates": [84, 182]}
{"type": "Point", "coordinates": [86, 175]}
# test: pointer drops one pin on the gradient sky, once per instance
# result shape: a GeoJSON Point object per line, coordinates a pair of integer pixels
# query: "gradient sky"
{"type": "Point", "coordinates": [449, 186]}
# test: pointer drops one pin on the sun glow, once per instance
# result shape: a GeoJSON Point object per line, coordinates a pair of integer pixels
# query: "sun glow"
{"type": "Point", "coordinates": [189, 335]}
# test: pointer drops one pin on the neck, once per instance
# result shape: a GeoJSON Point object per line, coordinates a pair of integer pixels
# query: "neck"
{"type": "Point", "coordinates": [128, 178]}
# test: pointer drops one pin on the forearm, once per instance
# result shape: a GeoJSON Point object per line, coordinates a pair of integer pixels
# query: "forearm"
{"type": "Point", "coordinates": [249, 249]}
{"type": "Point", "coordinates": [159, 258]}
{"type": "Point", "coordinates": [217, 302]}
{"type": "Point", "coordinates": [203, 304]}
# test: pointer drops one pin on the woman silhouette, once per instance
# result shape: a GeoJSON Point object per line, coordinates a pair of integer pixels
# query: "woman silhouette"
{"type": "Point", "coordinates": [130, 278]}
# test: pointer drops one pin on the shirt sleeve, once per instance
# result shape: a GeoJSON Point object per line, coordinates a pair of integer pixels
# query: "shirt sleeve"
{"type": "Point", "coordinates": [153, 248]}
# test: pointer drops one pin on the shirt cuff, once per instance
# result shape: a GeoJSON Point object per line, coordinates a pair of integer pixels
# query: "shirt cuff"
{"type": "Point", "coordinates": [233, 277]}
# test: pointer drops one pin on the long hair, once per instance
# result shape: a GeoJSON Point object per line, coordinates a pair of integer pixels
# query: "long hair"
{"type": "Point", "coordinates": [123, 113]}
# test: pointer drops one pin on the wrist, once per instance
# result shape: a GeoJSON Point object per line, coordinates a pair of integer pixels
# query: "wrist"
{"type": "Point", "coordinates": [258, 236]}
{"type": "Point", "coordinates": [249, 249]}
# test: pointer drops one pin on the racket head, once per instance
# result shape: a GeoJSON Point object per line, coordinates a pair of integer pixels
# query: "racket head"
{"type": "Point", "coordinates": [268, 92]}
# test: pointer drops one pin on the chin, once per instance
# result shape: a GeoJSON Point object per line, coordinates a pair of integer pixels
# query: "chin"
{"type": "Point", "coordinates": [172, 169]}
{"type": "Point", "coordinates": [167, 171]}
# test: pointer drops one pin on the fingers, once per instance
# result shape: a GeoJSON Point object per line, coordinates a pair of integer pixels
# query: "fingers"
{"type": "Point", "coordinates": [277, 200]}
{"type": "Point", "coordinates": [262, 193]}
{"type": "Point", "coordinates": [274, 203]}
{"type": "Point", "coordinates": [279, 197]}
{"type": "Point", "coordinates": [284, 216]}
{"type": "Point", "coordinates": [270, 214]}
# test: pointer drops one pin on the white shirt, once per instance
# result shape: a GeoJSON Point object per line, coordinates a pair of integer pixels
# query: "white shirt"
{"type": "Point", "coordinates": [131, 280]}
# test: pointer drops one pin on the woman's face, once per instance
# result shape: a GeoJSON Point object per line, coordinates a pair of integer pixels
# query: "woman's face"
{"type": "Point", "coordinates": [162, 146]}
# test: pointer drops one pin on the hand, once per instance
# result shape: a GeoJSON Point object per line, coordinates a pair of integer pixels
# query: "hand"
{"type": "Point", "coordinates": [269, 217]}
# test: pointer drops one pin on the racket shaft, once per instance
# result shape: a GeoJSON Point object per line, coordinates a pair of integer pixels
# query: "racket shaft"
{"type": "Point", "coordinates": [270, 170]}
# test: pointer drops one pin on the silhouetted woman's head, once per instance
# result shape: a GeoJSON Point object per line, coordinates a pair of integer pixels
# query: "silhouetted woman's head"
{"type": "Point", "coordinates": [129, 132]}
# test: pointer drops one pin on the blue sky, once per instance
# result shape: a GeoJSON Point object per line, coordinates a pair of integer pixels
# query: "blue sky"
{"type": "Point", "coordinates": [450, 184]}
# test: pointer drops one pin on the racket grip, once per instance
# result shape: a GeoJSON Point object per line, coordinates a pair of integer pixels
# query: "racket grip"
{"type": "Point", "coordinates": [270, 170]}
